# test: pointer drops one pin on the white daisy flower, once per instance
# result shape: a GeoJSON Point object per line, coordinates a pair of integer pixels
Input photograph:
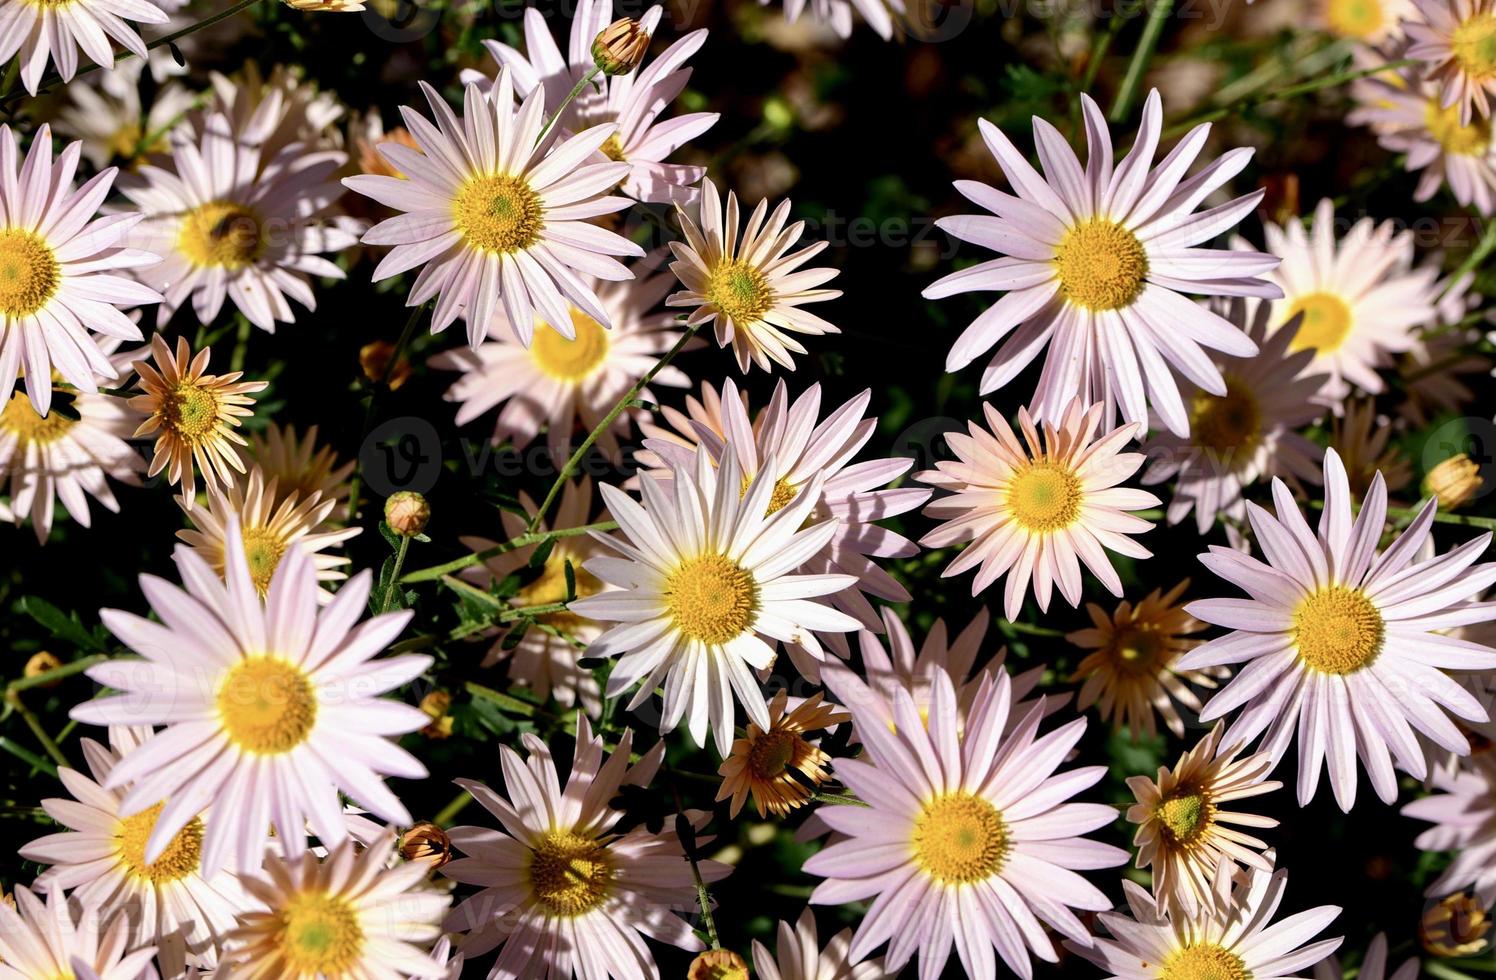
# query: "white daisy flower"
{"type": "Point", "coordinates": [33, 33]}
{"type": "Point", "coordinates": [51, 940]}
{"type": "Point", "coordinates": [1456, 40]}
{"type": "Point", "coordinates": [1373, 965]}
{"type": "Point", "coordinates": [1462, 809]}
{"type": "Point", "coordinates": [881, 15]}
{"type": "Point", "coordinates": [105, 114]}
{"type": "Point", "coordinates": [799, 956]}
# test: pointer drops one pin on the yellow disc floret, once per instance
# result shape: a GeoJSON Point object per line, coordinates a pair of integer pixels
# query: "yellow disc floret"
{"type": "Point", "coordinates": [267, 705]}
{"type": "Point", "coordinates": [1101, 265]}
{"type": "Point", "coordinates": [960, 838]}
{"type": "Point", "coordinates": [711, 598]}
{"type": "Point", "coordinates": [180, 858]}
{"type": "Point", "coordinates": [570, 874]}
{"type": "Point", "coordinates": [29, 272]}
{"type": "Point", "coordinates": [498, 213]}
{"type": "Point", "coordinates": [221, 233]}
{"type": "Point", "coordinates": [1044, 496]}
{"type": "Point", "coordinates": [319, 935]}
{"type": "Point", "coordinates": [1327, 322]}
{"type": "Point", "coordinates": [1337, 630]}
{"type": "Point", "coordinates": [739, 291]}
{"type": "Point", "coordinates": [571, 360]}
{"type": "Point", "coordinates": [1204, 961]}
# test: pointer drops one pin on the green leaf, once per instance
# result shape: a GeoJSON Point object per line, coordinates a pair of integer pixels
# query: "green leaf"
{"type": "Point", "coordinates": [571, 580]}
{"type": "Point", "coordinates": [64, 626]}
{"type": "Point", "coordinates": [542, 552]}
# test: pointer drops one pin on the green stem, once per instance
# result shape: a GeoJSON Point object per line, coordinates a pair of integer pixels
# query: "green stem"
{"type": "Point", "coordinates": [1440, 517]}
{"type": "Point", "coordinates": [703, 897]}
{"type": "Point", "coordinates": [1282, 95]}
{"type": "Point", "coordinates": [13, 698]}
{"type": "Point", "coordinates": [391, 590]}
{"type": "Point", "coordinates": [449, 812]}
{"type": "Point", "coordinates": [508, 702]}
{"type": "Point", "coordinates": [523, 541]}
{"type": "Point", "coordinates": [576, 90]}
{"type": "Point", "coordinates": [27, 756]}
{"type": "Point", "coordinates": [55, 674]}
{"type": "Point", "coordinates": [380, 387]}
{"type": "Point", "coordinates": [1138, 67]}
{"type": "Point", "coordinates": [839, 799]}
{"type": "Point", "coordinates": [1474, 259]}
{"type": "Point", "coordinates": [507, 613]}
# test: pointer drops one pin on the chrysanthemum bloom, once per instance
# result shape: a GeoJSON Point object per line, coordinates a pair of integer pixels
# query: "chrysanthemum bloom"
{"type": "Point", "coordinates": [326, 6]}
{"type": "Point", "coordinates": [269, 523]}
{"type": "Point", "coordinates": [748, 288]}
{"type": "Point", "coordinates": [717, 964]}
{"type": "Point", "coordinates": [275, 111]}
{"type": "Point", "coordinates": [167, 903]}
{"type": "Point", "coordinates": [192, 414]}
{"type": "Point", "coordinates": [1030, 509]}
{"type": "Point", "coordinates": [1134, 671]}
{"type": "Point", "coordinates": [235, 225]}
{"type": "Point", "coordinates": [966, 834]}
{"type": "Point", "coordinates": [1343, 645]}
{"type": "Point", "coordinates": [1362, 439]}
{"type": "Point", "coordinates": [497, 221]}
{"type": "Point", "coordinates": [778, 765]}
{"type": "Point", "coordinates": [1358, 293]}
{"type": "Point", "coordinates": [706, 576]}
{"type": "Point", "coordinates": [46, 940]}
{"type": "Point", "coordinates": [1439, 373]}
{"type": "Point", "coordinates": [271, 709]}
{"type": "Point", "coordinates": [366, 132]}
{"type": "Point", "coordinates": [563, 893]}
{"type": "Point", "coordinates": [1456, 41]}
{"type": "Point", "coordinates": [680, 429]}
{"type": "Point", "coordinates": [302, 465]}
{"type": "Point", "coordinates": [1231, 938]}
{"type": "Point", "coordinates": [1184, 831]}
{"type": "Point", "coordinates": [633, 100]}
{"type": "Point", "coordinates": [34, 33]}
{"type": "Point", "coordinates": [1249, 432]}
{"type": "Point", "coordinates": [556, 382]}
{"type": "Point", "coordinates": [1463, 812]}
{"type": "Point", "coordinates": [110, 122]}
{"type": "Point", "coordinates": [880, 15]}
{"type": "Point", "coordinates": [546, 657]}
{"type": "Point", "coordinates": [1094, 264]}
{"type": "Point", "coordinates": [63, 268]}
{"type": "Point", "coordinates": [799, 956]}
{"type": "Point", "coordinates": [1367, 21]}
{"type": "Point", "coordinates": [1456, 925]}
{"type": "Point", "coordinates": [1373, 965]}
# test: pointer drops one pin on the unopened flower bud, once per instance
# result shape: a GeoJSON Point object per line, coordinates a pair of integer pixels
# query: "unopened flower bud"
{"type": "Point", "coordinates": [1456, 926]}
{"type": "Point", "coordinates": [620, 46]}
{"type": "Point", "coordinates": [327, 6]}
{"type": "Point", "coordinates": [718, 964]}
{"type": "Point", "coordinates": [374, 358]}
{"type": "Point", "coordinates": [41, 662]}
{"type": "Point", "coordinates": [435, 705]}
{"type": "Point", "coordinates": [406, 513]}
{"type": "Point", "coordinates": [426, 842]}
{"type": "Point", "coordinates": [1454, 481]}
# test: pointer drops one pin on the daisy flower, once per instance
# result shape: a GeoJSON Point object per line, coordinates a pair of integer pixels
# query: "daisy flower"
{"type": "Point", "coordinates": [100, 856]}
{"type": "Point", "coordinates": [1030, 509]}
{"type": "Point", "coordinates": [1231, 938]}
{"type": "Point", "coordinates": [547, 658]}
{"type": "Point", "coordinates": [799, 956]}
{"type": "Point", "coordinates": [366, 132]}
{"type": "Point", "coordinates": [302, 465]}
{"type": "Point", "coordinates": [633, 100]}
{"type": "Point", "coordinates": [837, 14]}
{"type": "Point", "coordinates": [1368, 21]}
{"type": "Point", "coordinates": [271, 708]}
{"type": "Point", "coordinates": [269, 523]}
{"type": "Point", "coordinates": [237, 224]}
{"type": "Point", "coordinates": [193, 415]}
{"type": "Point", "coordinates": [1362, 439]}
{"type": "Point", "coordinates": [747, 288]}
{"type": "Point", "coordinates": [1133, 671]}
{"type": "Point", "coordinates": [34, 33]}
{"type": "Point", "coordinates": [563, 892]}
{"type": "Point", "coordinates": [1095, 263]}
{"type": "Point", "coordinates": [1358, 294]}
{"type": "Point", "coordinates": [276, 111]}
{"type": "Point", "coordinates": [706, 576]}
{"type": "Point", "coordinates": [112, 124]}
{"type": "Point", "coordinates": [1456, 41]}
{"type": "Point", "coordinates": [498, 221]}
{"type": "Point", "coordinates": [966, 838]}
{"type": "Point", "coordinates": [64, 270]}
{"type": "Point", "coordinates": [778, 765]}
{"type": "Point", "coordinates": [1373, 965]}
{"type": "Point", "coordinates": [1184, 831]}
{"type": "Point", "coordinates": [1342, 644]}
{"type": "Point", "coordinates": [1456, 925]}
{"type": "Point", "coordinates": [555, 381]}
{"type": "Point", "coordinates": [46, 940]}
{"type": "Point", "coordinates": [1463, 813]}
{"type": "Point", "coordinates": [1249, 432]}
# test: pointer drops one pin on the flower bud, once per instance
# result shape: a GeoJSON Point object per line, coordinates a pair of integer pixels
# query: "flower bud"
{"type": "Point", "coordinates": [426, 842]}
{"type": "Point", "coordinates": [1454, 481]}
{"type": "Point", "coordinates": [406, 513]}
{"type": "Point", "coordinates": [41, 662]}
{"type": "Point", "coordinates": [1456, 926]}
{"type": "Point", "coordinates": [327, 6]}
{"type": "Point", "coordinates": [374, 358]}
{"type": "Point", "coordinates": [435, 705]}
{"type": "Point", "coordinates": [718, 964]}
{"type": "Point", "coordinates": [620, 46]}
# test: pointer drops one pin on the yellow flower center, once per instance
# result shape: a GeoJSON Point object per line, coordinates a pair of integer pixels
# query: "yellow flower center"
{"type": "Point", "coordinates": [771, 753]}
{"type": "Point", "coordinates": [711, 598]}
{"type": "Point", "coordinates": [319, 935]}
{"type": "Point", "coordinates": [498, 213]}
{"type": "Point", "coordinates": [267, 705]}
{"type": "Point", "coordinates": [29, 427]}
{"type": "Point", "coordinates": [1044, 497]}
{"type": "Point", "coordinates": [1101, 265]}
{"type": "Point", "coordinates": [571, 360]}
{"type": "Point", "coordinates": [613, 149]}
{"type": "Point", "coordinates": [570, 874]}
{"type": "Point", "coordinates": [1186, 814]}
{"type": "Point", "coordinates": [1205, 961]}
{"type": "Point", "coordinates": [29, 272]}
{"type": "Point", "coordinates": [1227, 425]}
{"type": "Point", "coordinates": [190, 411]}
{"type": "Point", "coordinates": [781, 495]}
{"type": "Point", "coordinates": [959, 839]}
{"type": "Point", "coordinates": [550, 586]}
{"type": "Point", "coordinates": [1138, 650]}
{"type": "Point", "coordinates": [1359, 19]}
{"type": "Point", "coordinates": [175, 863]}
{"type": "Point", "coordinates": [739, 291]}
{"type": "Point", "coordinates": [221, 233]}
{"type": "Point", "coordinates": [1327, 322]}
{"type": "Point", "coordinates": [263, 548]}
{"type": "Point", "coordinates": [1473, 44]}
{"type": "Point", "coordinates": [1337, 630]}
{"type": "Point", "coordinates": [1444, 126]}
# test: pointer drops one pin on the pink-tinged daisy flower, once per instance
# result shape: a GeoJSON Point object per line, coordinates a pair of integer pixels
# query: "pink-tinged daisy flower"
{"type": "Point", "coordinates": [564, 893]}
{"type": "Point", "coordinates": [799, 956]}
{"type": "Point", "coordinates": [1343, 645]}
{"type": "Point", "coordinates": [1463, 813]}
{"type": "Point", "coordinates": [680, 429]}
{"type": "Point", "coordinates": [881, 15]}
{"type": "Point", "coordinates": [498, 221]}
{"type": "Point", "coordinates": [748, 288]}
{"type": "Point", "coordinates": [1456, 41]}
{"type": "Point", "coordinates": [349, 915]}
{"type": "Point", "coordinates": [107, 116]}
{"type": "Point", "coordinates": [271, 709]}
{"type": "Point", "coordinates": [63, 268]}
{"type": "Point", "coordinates": [100, 856]}
{"type": "Point", "coordinates": [705, 585]}
{"type": "Point", "coordinates": [1247, 433]}
{"type": "Point", "coordinates": [966, 837]}
{"type": "Point", "coordinates": [780, 766]}
{"type": "Point", "coordinates": [275, 111]}
{"type": "Point", "coordinates": [556, 382]}
{"type": "Point", "coordinates": [33, 33]}
{"type": "Point", "coordinates": [50, 940]}
{"type": "Point", "coordinates": [1358, 297]}
{"type": "Point", "coordinates": [633, 100]}
{"type": "Point", "coordinates": [1095, 263]}
{"type": "Point", "coordinates": [1362, 438]}
{"type": "Point", "coordinates": [302, 465]}
{"type": "Point", "coordinates": [1034, 510]}
{"type": "Point", "coordinates": [1232, 939]}
{"type": "Point", "coordinates": [237, 224]}
{"type": "Point", "coordinates": [789, 443]}
{"type": "Point", "coordinates": [1367, 21]}
{"type": "Point", "coordinates": [1373, 965]}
